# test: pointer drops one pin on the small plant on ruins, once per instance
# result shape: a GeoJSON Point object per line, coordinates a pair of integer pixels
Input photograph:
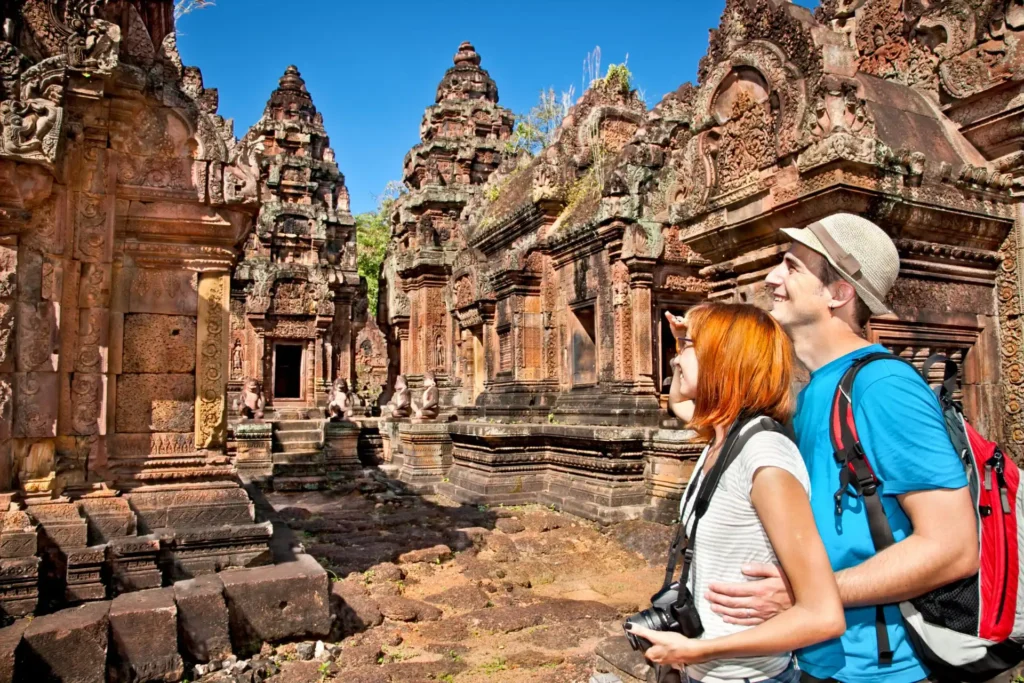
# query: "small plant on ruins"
{"type": "Point", "coordinates": [536, 130]}
{"type": "Point", "coordinates": [324, 670]}
{"type": "Point", "coordinates": [619, 78]}
{"type": "Point", "coordinates": [454, 656]}
{"type": "Point", "coordinates": [494, 666]}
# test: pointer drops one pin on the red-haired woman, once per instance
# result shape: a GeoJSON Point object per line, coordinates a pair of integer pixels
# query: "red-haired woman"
{"type": "Point", "coordinates": [735, 364]}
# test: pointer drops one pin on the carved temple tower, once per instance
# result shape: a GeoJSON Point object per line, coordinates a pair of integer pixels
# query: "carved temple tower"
{"type": "Point", "coordinates": [462, 139]}
{"type": "Point", "coordinates": [292, 293]}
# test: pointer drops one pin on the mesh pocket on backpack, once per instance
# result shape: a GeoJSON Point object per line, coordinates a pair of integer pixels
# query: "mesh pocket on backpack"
{"type": "Point", "coordinates": [955, 606]}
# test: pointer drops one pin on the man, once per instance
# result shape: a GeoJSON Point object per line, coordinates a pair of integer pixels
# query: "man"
{"type": "Point", "coordinates": [834, 277]}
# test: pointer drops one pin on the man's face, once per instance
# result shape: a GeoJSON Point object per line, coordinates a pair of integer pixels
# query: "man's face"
{"type": "Point", "coordinates": [799, 297]}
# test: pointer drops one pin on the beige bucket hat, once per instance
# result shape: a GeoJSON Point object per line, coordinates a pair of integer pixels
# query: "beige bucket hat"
{"type": "Point", "coordinates": [860, 250]}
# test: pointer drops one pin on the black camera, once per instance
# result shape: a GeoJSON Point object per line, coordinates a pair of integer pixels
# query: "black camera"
{"type": "Point", "coordinates": [669, 611]}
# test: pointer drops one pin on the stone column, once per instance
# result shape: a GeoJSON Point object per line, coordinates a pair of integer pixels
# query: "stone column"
{"type": "Point", "coordinates": [345, 358]}
{"type": "Point", "coordinates": [212, 353]}
{"type": "Point", "coordinates": [643, 330]}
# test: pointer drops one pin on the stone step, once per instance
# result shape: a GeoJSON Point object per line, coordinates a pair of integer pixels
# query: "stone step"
{"type": "Point", "coordinates": [296, 446]}
{"type": "Point", "coordinates": [299, 483]}
{"type": "Point", "coordinates": [299, 435]}
{"type": "Point", "coordinates": [292, 425]}
{"type": "Point", "coordinates": [299, 469]}
{"type": "Point", "coordinates": [298, 456]}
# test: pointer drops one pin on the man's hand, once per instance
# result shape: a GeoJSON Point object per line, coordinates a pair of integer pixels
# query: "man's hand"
{"type": "Point", "coordinates": [751, 602]}
{"type": "Point", "coordinates": [669, 647]}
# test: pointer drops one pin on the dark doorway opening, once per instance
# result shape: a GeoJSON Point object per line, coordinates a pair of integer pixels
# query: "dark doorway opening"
{"type": "Point", "coordinates": [288, 371]}
{"type": "Point", "coordinates": [584, 347]}
{"type": "Point", "coordinates": [668, 350]}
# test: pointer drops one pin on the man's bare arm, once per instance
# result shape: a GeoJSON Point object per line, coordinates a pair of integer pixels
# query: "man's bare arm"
{"type": "Point", "coordinates": [942, 549]}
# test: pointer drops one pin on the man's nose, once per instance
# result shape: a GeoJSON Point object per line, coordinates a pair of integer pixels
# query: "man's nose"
{"type": "Point", "coordinates": [774, 276]}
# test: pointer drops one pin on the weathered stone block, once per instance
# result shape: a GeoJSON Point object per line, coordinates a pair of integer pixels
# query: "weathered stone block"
{"type": "Point", "coordinates": [108, 518]}
{"type": "Point", "coordinates": [35, 405]}
{"type": "Point", "coordinates": [10, 639]}
{"type": "Point", "coordinates": [85, 569]}
{"type": "Point", "coordinates": [134, 563]}
{"type": "Point", "coordinates": [155, 403]}
{"type": "Point", "coordinates": [17, 535]}
{"type": "Point", "coordinates": [162, 291]}
{"type": "Point", "coordinates": [19, 587]}
{"type": "Point", "coordinates": [202, 618]}
{"type": "Point", "coordinates": [144, 634]}
{"type": "Point", "coordinates": [275, 603]}
{"type": "Point", "coordinates": [159, 343]}
{"type": "Point", "coordinates": [68, 646]}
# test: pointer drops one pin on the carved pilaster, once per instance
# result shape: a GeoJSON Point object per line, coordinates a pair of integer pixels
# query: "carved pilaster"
{"type": "Point", "coordinates": [643, 326]}
{"type": "Point", "coordinates": [212, 359]}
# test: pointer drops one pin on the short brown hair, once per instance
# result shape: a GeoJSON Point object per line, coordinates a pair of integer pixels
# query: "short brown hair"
{"type": "Point", "coordinates": [829, 275]}
{"type": "Point", "coordinates": [745, 365]}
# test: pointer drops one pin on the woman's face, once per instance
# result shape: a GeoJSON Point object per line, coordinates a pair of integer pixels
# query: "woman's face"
{"type": "Point", "coordinates": [687, 362]}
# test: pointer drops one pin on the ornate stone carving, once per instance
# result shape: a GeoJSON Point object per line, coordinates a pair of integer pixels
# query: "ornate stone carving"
{"type": "Point", "coordinates": [211, 360]}
{"type": "Point", "coordinates": [249, 406]}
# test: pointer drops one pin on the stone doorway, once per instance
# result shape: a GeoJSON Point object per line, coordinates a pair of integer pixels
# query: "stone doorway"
{"type": "Point", "coordinates": [287, 371]}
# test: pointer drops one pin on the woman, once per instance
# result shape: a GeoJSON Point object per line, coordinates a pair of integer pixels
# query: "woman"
{"type": "Point", "coordinates": [735, 363]}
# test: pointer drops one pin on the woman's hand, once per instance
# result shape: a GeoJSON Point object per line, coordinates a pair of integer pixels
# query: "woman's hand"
{"type": "Point", "coordinates": [669, 647]}
{"type": "Point", "coordinates": [678, 325]}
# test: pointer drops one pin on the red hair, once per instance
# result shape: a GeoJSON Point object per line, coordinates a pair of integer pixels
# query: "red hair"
{"type": "Point", "coordinates": [745, 365]}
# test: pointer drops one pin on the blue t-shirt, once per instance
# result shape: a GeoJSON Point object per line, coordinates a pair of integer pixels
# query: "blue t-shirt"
{"type": "Point", "coordinates": [901, 428]}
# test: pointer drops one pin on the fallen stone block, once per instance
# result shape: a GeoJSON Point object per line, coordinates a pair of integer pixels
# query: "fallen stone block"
{"type": "Point", "coordinates": [354, 611]}
{"type": "Point", "coordinates": [438, 553]}
{"type": "Point", "coordinates": [144, 635]}
{"type": "Point", "coordinates": [403, 609]}
{"type": "Point", "coordinates": [10, 639]}
{"type": "Point", "coordinates": [203, 618]}
{"type": "Point", "coordinates": [279, 602]}
{"type": "Point", "coordinates": [68, 646]}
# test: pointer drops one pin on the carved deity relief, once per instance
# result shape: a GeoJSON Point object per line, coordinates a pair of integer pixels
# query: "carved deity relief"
{"type": "Point", "coordinates": [840, 109]}
{"type": "Point", "coordinates": [236, 359]}
{"type": "Point", "coordinates": [746, 142]}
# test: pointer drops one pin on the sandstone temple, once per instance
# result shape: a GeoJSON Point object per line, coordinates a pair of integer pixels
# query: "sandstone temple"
{"type": "Point", "coordinates": [180, 309]}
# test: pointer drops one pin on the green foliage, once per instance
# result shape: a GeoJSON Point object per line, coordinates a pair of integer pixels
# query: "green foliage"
{"type": "Point", "coordinates": [373, 230]}
{"type": "Point", "coordinates": [619, 78]}
{"type": "Point", "coordinates": [494, 666]}
{"type": "Point", "coordinates": [536, 130]}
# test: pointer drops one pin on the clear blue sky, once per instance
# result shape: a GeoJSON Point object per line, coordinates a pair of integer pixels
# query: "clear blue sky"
{"type": "Point", "coordinates": [372, 67]}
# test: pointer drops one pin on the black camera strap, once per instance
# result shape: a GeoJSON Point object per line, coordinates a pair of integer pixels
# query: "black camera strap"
{"type": "Point", "coordinates": [683, 544]}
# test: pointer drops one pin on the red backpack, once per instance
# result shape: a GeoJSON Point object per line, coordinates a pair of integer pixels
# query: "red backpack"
{"type": "Point", "coordinates": [970, 630]}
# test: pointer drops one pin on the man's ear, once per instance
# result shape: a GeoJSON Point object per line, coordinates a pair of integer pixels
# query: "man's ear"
{"type": "Point", "coordinates": [842, 294]}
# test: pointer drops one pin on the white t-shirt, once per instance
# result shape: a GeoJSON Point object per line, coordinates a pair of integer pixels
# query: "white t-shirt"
{"type": "Point", "coordinates": [730, 535]}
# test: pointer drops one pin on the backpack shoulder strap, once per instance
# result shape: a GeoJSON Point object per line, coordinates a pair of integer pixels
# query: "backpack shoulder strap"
{"type": "Point", "coordinates": [855, 471]}
{"type": "Point", "coordinates": [739, 435]}
{"type": "Point", "coordinates": [736, 440]}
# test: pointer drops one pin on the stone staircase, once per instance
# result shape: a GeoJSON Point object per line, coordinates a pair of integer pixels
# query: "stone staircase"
{"type": "Point", "coordinates": [298, 456]}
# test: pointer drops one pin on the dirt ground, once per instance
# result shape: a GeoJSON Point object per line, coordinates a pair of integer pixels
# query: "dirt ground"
{"type": "Point", "coordinates": [429, 590]}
